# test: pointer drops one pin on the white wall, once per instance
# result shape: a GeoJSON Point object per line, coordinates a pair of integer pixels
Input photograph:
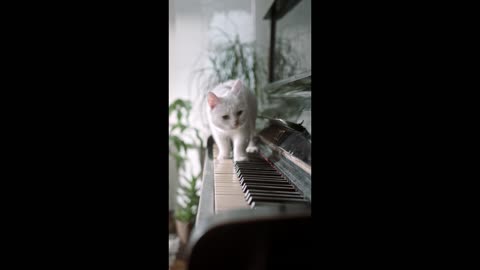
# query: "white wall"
{"type": "Point", "coordinates": [262, 32]}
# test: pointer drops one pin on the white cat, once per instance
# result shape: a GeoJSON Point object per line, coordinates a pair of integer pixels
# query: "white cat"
{"type": "Point", "coordinates": [231, 112]}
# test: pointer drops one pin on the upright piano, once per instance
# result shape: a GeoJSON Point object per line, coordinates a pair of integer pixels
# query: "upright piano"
{"type": "Point", "coordinates": [256, 214]}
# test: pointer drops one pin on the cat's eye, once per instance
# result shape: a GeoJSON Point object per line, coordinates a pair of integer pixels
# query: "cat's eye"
{"type": "Point", "coordinates": [239, 112]}
{"type": "Point", "coordinates": [225, 117]}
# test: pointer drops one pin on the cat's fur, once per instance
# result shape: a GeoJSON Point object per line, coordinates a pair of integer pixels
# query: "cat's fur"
{"type": "Point", "coordinates": [235, 102]}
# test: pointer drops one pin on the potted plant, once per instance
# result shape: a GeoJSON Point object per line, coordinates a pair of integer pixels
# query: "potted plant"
{"type": "Point", "coordinates": [185, 215]}
{"type": "Point", "coordinates": [229, 59]}
{"type": "Point", "coordinates": [184, 137]}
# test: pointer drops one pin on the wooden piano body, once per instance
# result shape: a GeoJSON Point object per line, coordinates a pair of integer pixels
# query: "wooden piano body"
{"type": "Point", "coordinates": [242, 239]}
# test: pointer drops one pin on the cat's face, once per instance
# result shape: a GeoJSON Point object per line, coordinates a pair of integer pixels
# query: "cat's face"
{"type": "Point", "coordinates": [229, 114]}
{"type": "Point", "coordinates": [230, 111]}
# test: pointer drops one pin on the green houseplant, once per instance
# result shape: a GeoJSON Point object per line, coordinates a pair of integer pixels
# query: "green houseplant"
{"type": "Point", "coordinates": [185, 215]}
{"type": "Point", "coordinates": [182, 138]}
{"type": "Point", "coordinates": [230, 58]}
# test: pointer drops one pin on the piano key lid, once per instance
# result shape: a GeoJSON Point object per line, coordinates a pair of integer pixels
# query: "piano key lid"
{"type": "Point", "coordinates": [284, 123]}
{"type": "Point", "coordinates": [298, 127]}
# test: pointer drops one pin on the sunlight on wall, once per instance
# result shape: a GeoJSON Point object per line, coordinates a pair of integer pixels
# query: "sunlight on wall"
{"type": "Point", "coordinates": [230, 22]}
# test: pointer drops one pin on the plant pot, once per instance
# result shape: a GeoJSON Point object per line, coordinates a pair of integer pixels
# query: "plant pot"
{"type": "Point", "coordinates": [183, 230]}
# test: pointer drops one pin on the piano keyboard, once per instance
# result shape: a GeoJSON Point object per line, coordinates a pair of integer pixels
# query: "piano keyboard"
{"type": "Point", "coordinates": [250, 184]}
{"type": "Point", "coordinates": [228, 193]}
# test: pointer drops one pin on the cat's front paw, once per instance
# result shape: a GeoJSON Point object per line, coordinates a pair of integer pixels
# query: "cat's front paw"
{"type": "Point", "coordinates": [222, 156]}
{"type": "Point", "coordinates": [240, 158]}
{"type": "Point", "coordinates": [252, 149]}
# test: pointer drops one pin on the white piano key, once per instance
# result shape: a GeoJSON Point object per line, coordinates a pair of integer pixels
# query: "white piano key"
{"type": "Point", "coordinates": [228, 192]}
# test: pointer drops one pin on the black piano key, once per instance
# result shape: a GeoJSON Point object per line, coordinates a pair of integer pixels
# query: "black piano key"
{"type": "Point", "coordinates": [248, 192]}
{"type": "Point", "coordinates": [253, 176]}
{"type": "Point", "coordinates": [256, 171]}
{"type": "Point", "coordinates": [255, 167]}
{"type": "Point", "coordinates": [252, 169]}
{"type": "Point", "coordinates": [254, 196]}
{"type": "Point", "coordinates": [263, 187]}
{"type": "Point", "coordinates": [263, 180]}
{"type": "Point", "coordinates": [253, 185]}
{"type": "Point", "coordinates": [266, 189]}
{"type": "Point", "coordinates": [259, 173]}
{"type": "Point", "coordinates": [266, 177]}
{"type": "Point", "coordinates": [269, 184]}
{"type": "Point", "coordinates": [254, 191]}
{"type": "Point", "coordinates": [275, 199]}
{"type": "Point", "coordinates": [279, 200]}
{"type": "Point", "coordinates": [263, 167]}
{"type": "Point", "coordinates": [275, 192]}
{"type": "Point", "coordinates": [272, 204]}
{"type": "Point", "coordinates": [265, 183]}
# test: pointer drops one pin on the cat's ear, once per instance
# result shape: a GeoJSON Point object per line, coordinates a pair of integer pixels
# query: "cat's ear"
{"type": "Point", "coordinates": [213, 100]}
{"type": "Point", "coordinates": [237, 87]}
